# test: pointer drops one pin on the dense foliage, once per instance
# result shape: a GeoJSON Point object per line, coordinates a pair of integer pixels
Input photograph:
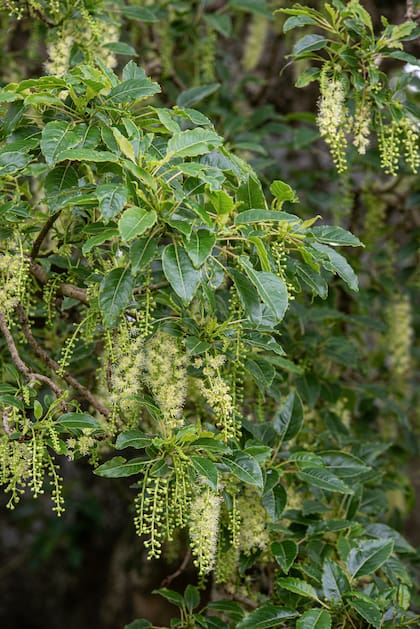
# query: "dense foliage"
{"type": "Point", "coordinates": [180, 319]}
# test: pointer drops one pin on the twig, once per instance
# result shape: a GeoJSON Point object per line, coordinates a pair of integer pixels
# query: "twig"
{"type": "Point", "coordinates": [54, 366]}
{"type": "Point", "coordinates": [68, 290]}
{"type": "Point", "coordinates": [245, 601]}
{"type": "Point", "coordinates": [22, 367]}
{"type": "Point", "coordinates": [42, 234]}
{"type": "Point", "coordinates": [168, 580]}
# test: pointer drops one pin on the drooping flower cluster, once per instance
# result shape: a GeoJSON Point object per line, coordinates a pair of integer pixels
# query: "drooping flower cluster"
{"type": "Point", "coordinates": [216, 391]}
{"type": "Point", "coordinates": [203, 528]}
{"type": "Point", "coordinates": [332, 118]}
{"type": "Point", "coordinates": [253, 532]}
{"type": "Point", "coordinates": [361, 125]}
{"type": "Point", "coordinates": [164, 367]}
{"type": "Point", "coordinates": [13, 276]}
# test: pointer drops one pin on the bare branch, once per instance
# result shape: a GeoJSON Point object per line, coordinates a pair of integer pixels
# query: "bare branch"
{"type": "Point", "coordinates": [54, 366]}
{"type": "Point", "coordinates": [68, 290]}
{"type": "Point", "coordinates": [21, 366]}
{"type": "Point", "coordinates": [168, 580]}
{"type": "Point", "coordinates": [42, 234]}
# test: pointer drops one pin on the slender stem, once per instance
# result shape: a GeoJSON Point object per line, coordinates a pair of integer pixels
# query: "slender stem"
{"type": "Point", "coordinates": [54, 366]}
{"type": "Point", "coordinates": [42, 234]}
{"type": "Point", "coordinates": [168, 580]}
{"type": "Point", "coordinates": [21, 366]}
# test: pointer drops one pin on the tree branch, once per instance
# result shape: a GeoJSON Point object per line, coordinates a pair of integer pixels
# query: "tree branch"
{"type": "Point", "coordinates": [168, 580]}
{"type": "Point", "coordinates": [54, 366]}
{"type": "Point", "coordinates": [68, 290]}
{"type": "Point", "coordinates": [42, 234]}
{"type": "Point", "coordinates": [21, 366]}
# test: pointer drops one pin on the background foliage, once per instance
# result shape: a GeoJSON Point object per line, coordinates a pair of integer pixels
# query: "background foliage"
{"type": "Point", "coordinates": [165, 289]}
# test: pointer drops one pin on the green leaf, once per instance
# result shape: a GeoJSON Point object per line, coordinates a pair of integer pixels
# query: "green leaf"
{"type": "Point", "coordinates": [112, 198]}
{"type": "Point", "coordinates": [296, 21]}
{"type": "Point", "coordinates": [194, 95]}
{"type": "Point", "coordinates": [99, 239]}
{"type": "Point", "coordinates": [193, 142]}
{"type": "Point", "coordinates": [316, 282]}
{"type": "Point", "coordinates": [12, 161]}
{"type": "Point", "coordinates": [283, 192]}
{"type": "Point", "coordinates": [173, 597]}
{"type": "Point", "coordinates": [339, 265]}
{"type": "Point", "coordinates": [309, 43]}
{"type": "Point", "coordinates": [257, 216]}
{"type": "Point", "coordinates": [179, 272]}
{"type": "Point", "coordinates": [314, 619]}
{"type": "Point", "coordinates": [289, 418]}
{"type": "Point", "coordinates": [135, 221]}
{"type": "Point", "coordinates": [191, 597]}
{"type": "Point", "coordinates": [78, 421]}
{"type": "Point", "coordinates": [121, 48]}
{"type": "Point", "coordinates": [344, 464]}
{"type": "Point", "coordinates": [368, 556]}
{"type": "Point", "coordinates": [132, 90]}
{"type": "Point", "coordinates": [270, 288]}
{"type": "Point", "coordinates": [199, 246]}
{"type": "Point", "coordinates": [206, 468]}
{"type": "Point", "coordinates": [267, 616]}
{"type": "Point", "coordinates": [142, 252]}
{"type": "Point", "coordinates": [143, 14]}
{"type": "Point", "coordinates": [275, 501]}
{"type": "Point", "coordinates": [297, 586]}
{"type": "Point", "coordinates": [132, 439]}
{"type": "Point", "coordinates": [367, 609]}
{"type": "Point", "coordinates": [251, 195]}
{"type": "Point", "coordinates": [60, 179]}
{"type": "Point", "coordinates": [119, 467]}
{"type": "Point", "coordinates": [335, 236]}
{"type": "Point", "coordinates": [115, 293]}
{"type": "Point", "coordinates": [285, 553]}
{"type": "Point", "coordinates": [248, 296]}
{"type": "Point", "coordinates": [323, 479]}
{"type": "Point", "coordinates": [86, 155]}
{"type": "Point", "coordinates": [334, 581]}
{"type": "Point", "coordinates": [245, 467]}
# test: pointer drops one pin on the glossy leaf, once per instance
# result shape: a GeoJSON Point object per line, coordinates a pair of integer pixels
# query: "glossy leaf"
{"type": "Point", "coordinates": [289, 418]}
{"type": "Point", "coordinates": [132, 439]}
{"type": "Point", "coordinates": [207, 469]}
{"type": "Point", "coordinates": [368, 556]}
{"type": "Point", "coordinates": [335, 236]}
{"type": "Point", "coordinates": [334, 581]}
{"type": "Point", "coordinates": [297, 586]}
{"type": "Point", "coordinates": [135, 221]}
{"type": "Point", "coordinates": [112, 199]}
{"type": "Point", "coordinates": [179, 272]}
{"type": "Point", "coordinates": [78, 421]}
{"type": "Point", "coordinates": [275, 501]}
{"type": "Point", "coordinates": [314, 619]}
{"type": "Point", "coordinates": [58, 136]}
{"type": "Point", "coordinates": [267, 616]}
{"type": "Point", "coordinates": [119, 467]}
{"type": "Point", "coordinates": [115, 294]}
{"type": "Point", "coordinates": [271, 289]}
{"type": "Point", "coordinates": [285, 553]}
{"type": "Point", "coordinates": [193, 142]}
{"type": "Point", "coordinates": [132, 90]}
{"type": "Point", "coordinates": [323, 479]}
{"type": "Point", "coordinates": [246, 468]}
{"type": "Point", "coordinates": [368, 610]}
{"type": "Point", "coordinates": [199, 246]}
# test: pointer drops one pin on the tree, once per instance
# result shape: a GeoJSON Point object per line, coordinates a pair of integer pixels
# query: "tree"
{"type": "Point", "coordinates": [167, 312]}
